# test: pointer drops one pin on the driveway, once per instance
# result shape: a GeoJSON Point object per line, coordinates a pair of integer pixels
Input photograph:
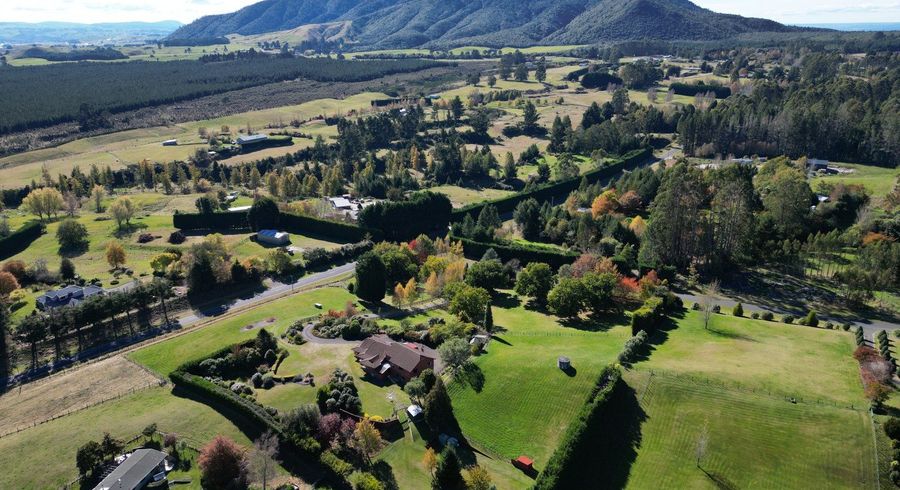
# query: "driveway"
{"type": "Point", "coordinates": [870, 327]}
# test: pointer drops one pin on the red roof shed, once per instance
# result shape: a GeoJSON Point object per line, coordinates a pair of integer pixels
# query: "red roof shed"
{"type": "Point", "coordinates": [524, 463]}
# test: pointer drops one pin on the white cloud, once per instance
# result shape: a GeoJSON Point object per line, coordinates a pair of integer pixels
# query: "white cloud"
{"type": "Point", "coordinates": [791, 11]}
{"type": "Point", "coordinates": [810, 11]}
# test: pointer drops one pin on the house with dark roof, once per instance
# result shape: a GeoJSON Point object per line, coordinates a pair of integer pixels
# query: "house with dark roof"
{"type": "Point", "coordinates": [144, 468]}
{"type": "Point", "coordinates": [383, 358]}
{"type": "Point", "coordinates": [67, 296]}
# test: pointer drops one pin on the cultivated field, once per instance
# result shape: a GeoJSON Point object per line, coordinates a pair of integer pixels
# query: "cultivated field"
{"type": "Point", "coordinates": [72, 390]}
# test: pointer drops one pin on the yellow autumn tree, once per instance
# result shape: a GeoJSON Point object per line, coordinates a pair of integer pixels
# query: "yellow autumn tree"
{"type": "Point", "coordinates": [604, 204]}
{"type": "Point", "coordinates": [115, 254]}
{"type": "Point", "coordinates": [411, 291]}
{"type": "Point", "coordinates": [455, 272]}
{"type": "Point", "coordinates": [399, 295]}
{"type": "Point", "coordinates": [433, 285]}
{"type": "Point", "coordinates": [638, 226]}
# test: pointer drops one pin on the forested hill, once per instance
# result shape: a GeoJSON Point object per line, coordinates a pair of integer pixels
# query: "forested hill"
{"type": "Point", "coordinates": [495, 23]}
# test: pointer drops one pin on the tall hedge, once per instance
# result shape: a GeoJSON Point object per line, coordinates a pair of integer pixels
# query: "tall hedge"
{"type": "Point", "coordinates": [475, 250]}
{"type": "Point", "coordinates": [559, 189]}
{"type": "Point", "coordinates": [692, 89]}
{"type": "Point", "coordinates": [562, 470]}
{"type": "Point", "coordinates": [404, 220]}
{"type": "Point", "coordinates": [292, 223]}
{"type": "Point", "coordinates": [20, 239]}
{"type": "Point", "coordinates": [228, 221]}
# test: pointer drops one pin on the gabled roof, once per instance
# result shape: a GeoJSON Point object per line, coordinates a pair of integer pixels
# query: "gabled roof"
{"type": "Point", "coordinates": [133, 471]}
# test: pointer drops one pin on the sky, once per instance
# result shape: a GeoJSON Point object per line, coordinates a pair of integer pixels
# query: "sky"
{"type": "Point", "coordinates": [91, 11]}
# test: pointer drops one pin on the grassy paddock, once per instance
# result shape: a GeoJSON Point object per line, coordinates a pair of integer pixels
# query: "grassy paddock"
{"type": "Point", "coordinates": [752, 441]}
{"type": "Point", "coordinates": [526, 402]}
{"type": "Point", "coordinates": [879, 181]}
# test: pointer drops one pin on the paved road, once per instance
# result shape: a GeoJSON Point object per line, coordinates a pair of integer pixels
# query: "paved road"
{"type": "Point", "coordinates": [279, 289]}
{"type": "Point", "coordinates": [870, 327]}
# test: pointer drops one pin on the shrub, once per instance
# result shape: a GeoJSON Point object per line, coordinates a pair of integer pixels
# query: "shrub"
{"type": "Point", "coordinates": [716, 309]}
{"type": "Point", "coordinates": [788, 319]}
{"type": "Point", "coordinates": [846, 326]}
{"type": "Point", "coordinates": [255, 380]}
{"type": "Point", "coordinates": [767, 316]}
{"type": "Point", "coordinates": [829, 325]}
{"type": "Point", "coordinates": [754, 315]}
{"type": "Point", "coordinates": [695, 306]}
{"type": "Point", "coordinates": [892, 428]}
{"type": "Point", "coordinates": [268, 380]}
{"type": "Point", "coordinates": [738, 310]}
{"type": "Point", "coordinates": [177, 237]}
{"type": "Point", "coordinates": [811, 319]}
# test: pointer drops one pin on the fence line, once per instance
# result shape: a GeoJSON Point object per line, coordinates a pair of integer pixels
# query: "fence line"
{"type": "Point", "coordinates": [130, 391]}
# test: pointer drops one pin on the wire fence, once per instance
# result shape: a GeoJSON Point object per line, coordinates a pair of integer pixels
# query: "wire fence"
{"type": "Point", "coordinates": [130, 391]}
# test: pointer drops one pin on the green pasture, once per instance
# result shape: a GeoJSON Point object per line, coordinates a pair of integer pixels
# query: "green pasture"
{"type": "Point", "coordinates": [878, 181]}
{"type": "Point", "coordinates": [526, 402]}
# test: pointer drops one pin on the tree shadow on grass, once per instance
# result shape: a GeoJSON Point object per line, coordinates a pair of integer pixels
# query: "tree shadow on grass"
{"type": "Point", "coordinates": [471, 375]}
{"type": "Point", "coordinates": [596, 323]}
{"type": "Point", "coordinates": [385, 474]}
{"type": "Point", "coordinates": [720, 481]}
{"type": "Point", "coordinates": [127, 230]}
{"type": "Point", "coordinates": [505, 300]}
{"type": "Point", "coordinates": [74, 251]}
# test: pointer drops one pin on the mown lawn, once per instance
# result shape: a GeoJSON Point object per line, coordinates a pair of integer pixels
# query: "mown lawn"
{"type": "Point", "coordinates": [461, 196]}
{"type": "Point", "coordinates": [165, 356]}
{"type": "Point", "coordinates": [732, 386]}
{"type": "Point", "coordinates": [753, 441]}
{"type": "Point", "coordinates": [768, 357]}
{"type": "Point", "coordinates": [877, 180]}
{"type": "Point", "coordinates": [526, 402]}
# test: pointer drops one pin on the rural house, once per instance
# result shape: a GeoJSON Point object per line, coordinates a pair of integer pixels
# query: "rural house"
{"type": "Point", "coordinates": [139, 470]}
{"type": "Point", "coordinates": [382, 357]}
{"type": "Point", "coordinates": [67, 296]}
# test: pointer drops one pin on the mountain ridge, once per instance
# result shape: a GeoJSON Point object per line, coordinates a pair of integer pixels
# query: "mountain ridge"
{"type": "Point", "coordinates": [384, 24]}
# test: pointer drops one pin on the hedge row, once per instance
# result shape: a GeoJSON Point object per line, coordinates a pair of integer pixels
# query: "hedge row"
{"type": "Point", "coordinates": [475, 250]}
{"type": "Point", "coordinates": [212, 391]}
{"type": "Point", "coordinates": [562, 468]}
{"type": "Point", "coordinates": [319, 257]}
{"type": "Point", "coordinates": [227, 221]}
{"type": "Point", "coordinates": [692, 89]}
{"type": "Point", "coordinates": [558, 189]}
{"type": "Point", "coordinates": [292, 223]}
{"type": "Point", "coordinates": [404, 220]}
{"type": "Point", "coordinates": [20, 239]}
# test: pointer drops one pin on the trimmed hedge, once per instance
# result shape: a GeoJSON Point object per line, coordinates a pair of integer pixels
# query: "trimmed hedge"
{"type": "Point", "coordinates": [20, 239]}
{"type": "Point", "coordinates": [692, 89]}
{"type": "Point", "coordinates": [475, 250]}
{"type": "Point", "coordinates": [556, 189]}
{"type": "Point", "coordinates": [292, 223]}
{"type": "Point", "coordinates": [563, 464]}
{"type": "Point", "coordinates": [404, 220]}
{"type": "Point", "coordinates": [217, 393]}
{"type": "Point", "coordinates": [231, 221]}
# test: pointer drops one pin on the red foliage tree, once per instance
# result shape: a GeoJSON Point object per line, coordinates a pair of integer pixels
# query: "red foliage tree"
{"type": "Point", "coordinates": [222, 464]}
